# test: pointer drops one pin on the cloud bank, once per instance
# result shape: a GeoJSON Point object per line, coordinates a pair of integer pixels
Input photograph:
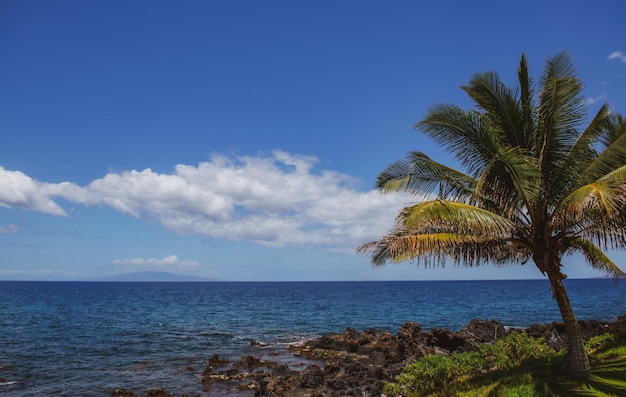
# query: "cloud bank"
{"type": "Point", "coordinates": [272, 200]}
{"type": "Point", "coordinates": [171, 261]}
{"type": "Point", "coordinates": [39, 272]}
{"type": "Point", "coordinates": [19, 190]}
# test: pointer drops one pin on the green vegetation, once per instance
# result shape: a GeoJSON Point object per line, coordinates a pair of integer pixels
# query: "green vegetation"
{"type": "Point", "coordinates": [539, 181]}
{"type": "Point", "coordinates": [516, 366]}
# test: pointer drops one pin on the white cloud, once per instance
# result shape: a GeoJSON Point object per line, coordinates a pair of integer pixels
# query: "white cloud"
{"type": "Point", "coordinates": [11, 228]}
{"type": "Point", "coordinates": [38, 272]}
{"type": "Point", "coordinates": [275, 200]}
{"type": "Point", "coordinates": [19, 190]}
{"type": "Point", "coordinates": [171, 261]}
{"type": "Point", "coordinates": [618, 55]}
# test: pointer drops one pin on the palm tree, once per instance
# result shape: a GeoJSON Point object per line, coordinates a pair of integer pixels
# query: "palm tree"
{"type": "Point", "coordinates": [537, 184]}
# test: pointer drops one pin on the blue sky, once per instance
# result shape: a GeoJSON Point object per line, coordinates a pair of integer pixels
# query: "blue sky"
{"type": "Point", "coordinates": [240, 140]}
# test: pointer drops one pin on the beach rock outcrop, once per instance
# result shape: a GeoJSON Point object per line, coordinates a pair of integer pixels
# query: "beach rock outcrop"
{"type": "Point", "coordinates": [158, 393]}
{"type": "Point", "coordinates": [484, 331]}
{"type": "Point", "coordinates": [555, 336]}
{"type": "Point", "coordinates": [123, 393]}
{"type": "Point", "coordinates": [358, 363]}
{"type": "Point", "coordinates": [151, 393]}
{"type": "Point", "coordinates": [349, 363]}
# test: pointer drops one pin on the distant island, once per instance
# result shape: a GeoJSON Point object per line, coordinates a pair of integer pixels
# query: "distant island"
{"type": "Point", "coordinates": [152, 276]}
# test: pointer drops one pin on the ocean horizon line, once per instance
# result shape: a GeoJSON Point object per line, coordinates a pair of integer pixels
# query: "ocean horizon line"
{"type": "Point", "coordinates": [209, 281]}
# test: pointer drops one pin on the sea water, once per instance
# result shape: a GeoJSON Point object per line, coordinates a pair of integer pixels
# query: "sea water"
{"type": "Point", "coordinates": [90, 338]}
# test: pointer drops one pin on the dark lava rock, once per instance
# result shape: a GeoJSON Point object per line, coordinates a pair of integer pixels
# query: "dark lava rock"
{"type": "Point", "coordinates": [151, 393]}
{"type": "Point", "coordinates": [555, 336]}
{"type": "Point", "coordinates": [448, 340]}
{"type": "Point", "coordinates": [216, 361]}
{"type": "Point", "coordinates": [619, 325]}
{"type": "Point", "coordinates": [251, 363]}
{"type": "Point", "coordinates": [158, 393]}
{"type": "Point", "coordinates": [484, 331]}
{"type": "Point", "coordinates": [469, 338]}
{"type": "Point", "coordinates": [553, 333]}
{"type": "Point", "coordinates": [358, 363]}
{"type": "Point", "coordinates": [123, 393]}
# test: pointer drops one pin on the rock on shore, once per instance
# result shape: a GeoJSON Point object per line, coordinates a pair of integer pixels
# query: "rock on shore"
{"type": "Point", "coordinates": [358, 363]}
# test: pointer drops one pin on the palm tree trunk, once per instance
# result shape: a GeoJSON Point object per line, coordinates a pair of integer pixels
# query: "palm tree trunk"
{"type": "Point", "coordinates": [576, 362]}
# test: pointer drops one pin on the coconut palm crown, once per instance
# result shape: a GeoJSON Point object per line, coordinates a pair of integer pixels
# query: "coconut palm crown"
{"type": "Point", "coordinates": [539, 181]}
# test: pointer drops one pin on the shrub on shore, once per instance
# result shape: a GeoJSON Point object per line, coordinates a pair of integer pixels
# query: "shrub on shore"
{"type": "Point", "coordinates": [438, 374]}
{"type": "Point", "coordinates": [518, 365]}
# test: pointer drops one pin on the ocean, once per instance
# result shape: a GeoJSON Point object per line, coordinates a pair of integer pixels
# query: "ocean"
{"type": "Point", "coordinates": [90, 338]}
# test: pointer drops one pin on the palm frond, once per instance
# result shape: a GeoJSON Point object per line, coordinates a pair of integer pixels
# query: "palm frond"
{"type": "Point", "coordinates": [616, 177]}
{"type": "Point", "coordinates": [617, 128]}
{"type": "Point", "coordinates": [465, 134]}
{"type": "Point", "coordinates": [595, 212]}
{"type": "Point", "coordinates": [597, 258]}
{"type": "Point", "coordinates": [613, 157]}
{"type": "Point", "coordinates": [511, 179]}
{"type": "Point", "coordinates": [581, 154]}
{"type": "Point", "coordinates": [527, 102]}
{"type": "Point", "coordinates": [602, 198]}
{"type": "Point", "coordinates": [435, 249]}
{"type": "Point", "coordinates": [433, 232]}
{"type": "Point", "coordinates": [455, 217]}
{"type": "Point", "coordinates": [420, 175]}
{"type": "Point", "coordinates": [606, 233]}
{"type": "Point", "coordinates": [501, 106]}
{"type": "Point", "coordinates": [561, 110]}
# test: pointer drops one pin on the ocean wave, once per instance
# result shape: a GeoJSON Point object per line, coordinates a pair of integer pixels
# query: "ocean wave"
{"type": "Point", "coordinates": [8, 383]}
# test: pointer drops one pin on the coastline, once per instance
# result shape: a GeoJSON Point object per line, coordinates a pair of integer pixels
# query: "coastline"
{"type": "Point", "coordinates": [358, 363]}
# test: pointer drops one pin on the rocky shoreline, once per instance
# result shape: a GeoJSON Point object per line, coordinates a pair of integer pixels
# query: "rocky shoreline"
{"type": "Point", "coordinates": [358, 363]}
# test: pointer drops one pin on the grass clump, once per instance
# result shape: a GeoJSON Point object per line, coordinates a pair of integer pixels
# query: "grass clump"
{"type": "Point", "coordinates": [516, 366]}
{"type": "Point", "coordinates": [440, 375]}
